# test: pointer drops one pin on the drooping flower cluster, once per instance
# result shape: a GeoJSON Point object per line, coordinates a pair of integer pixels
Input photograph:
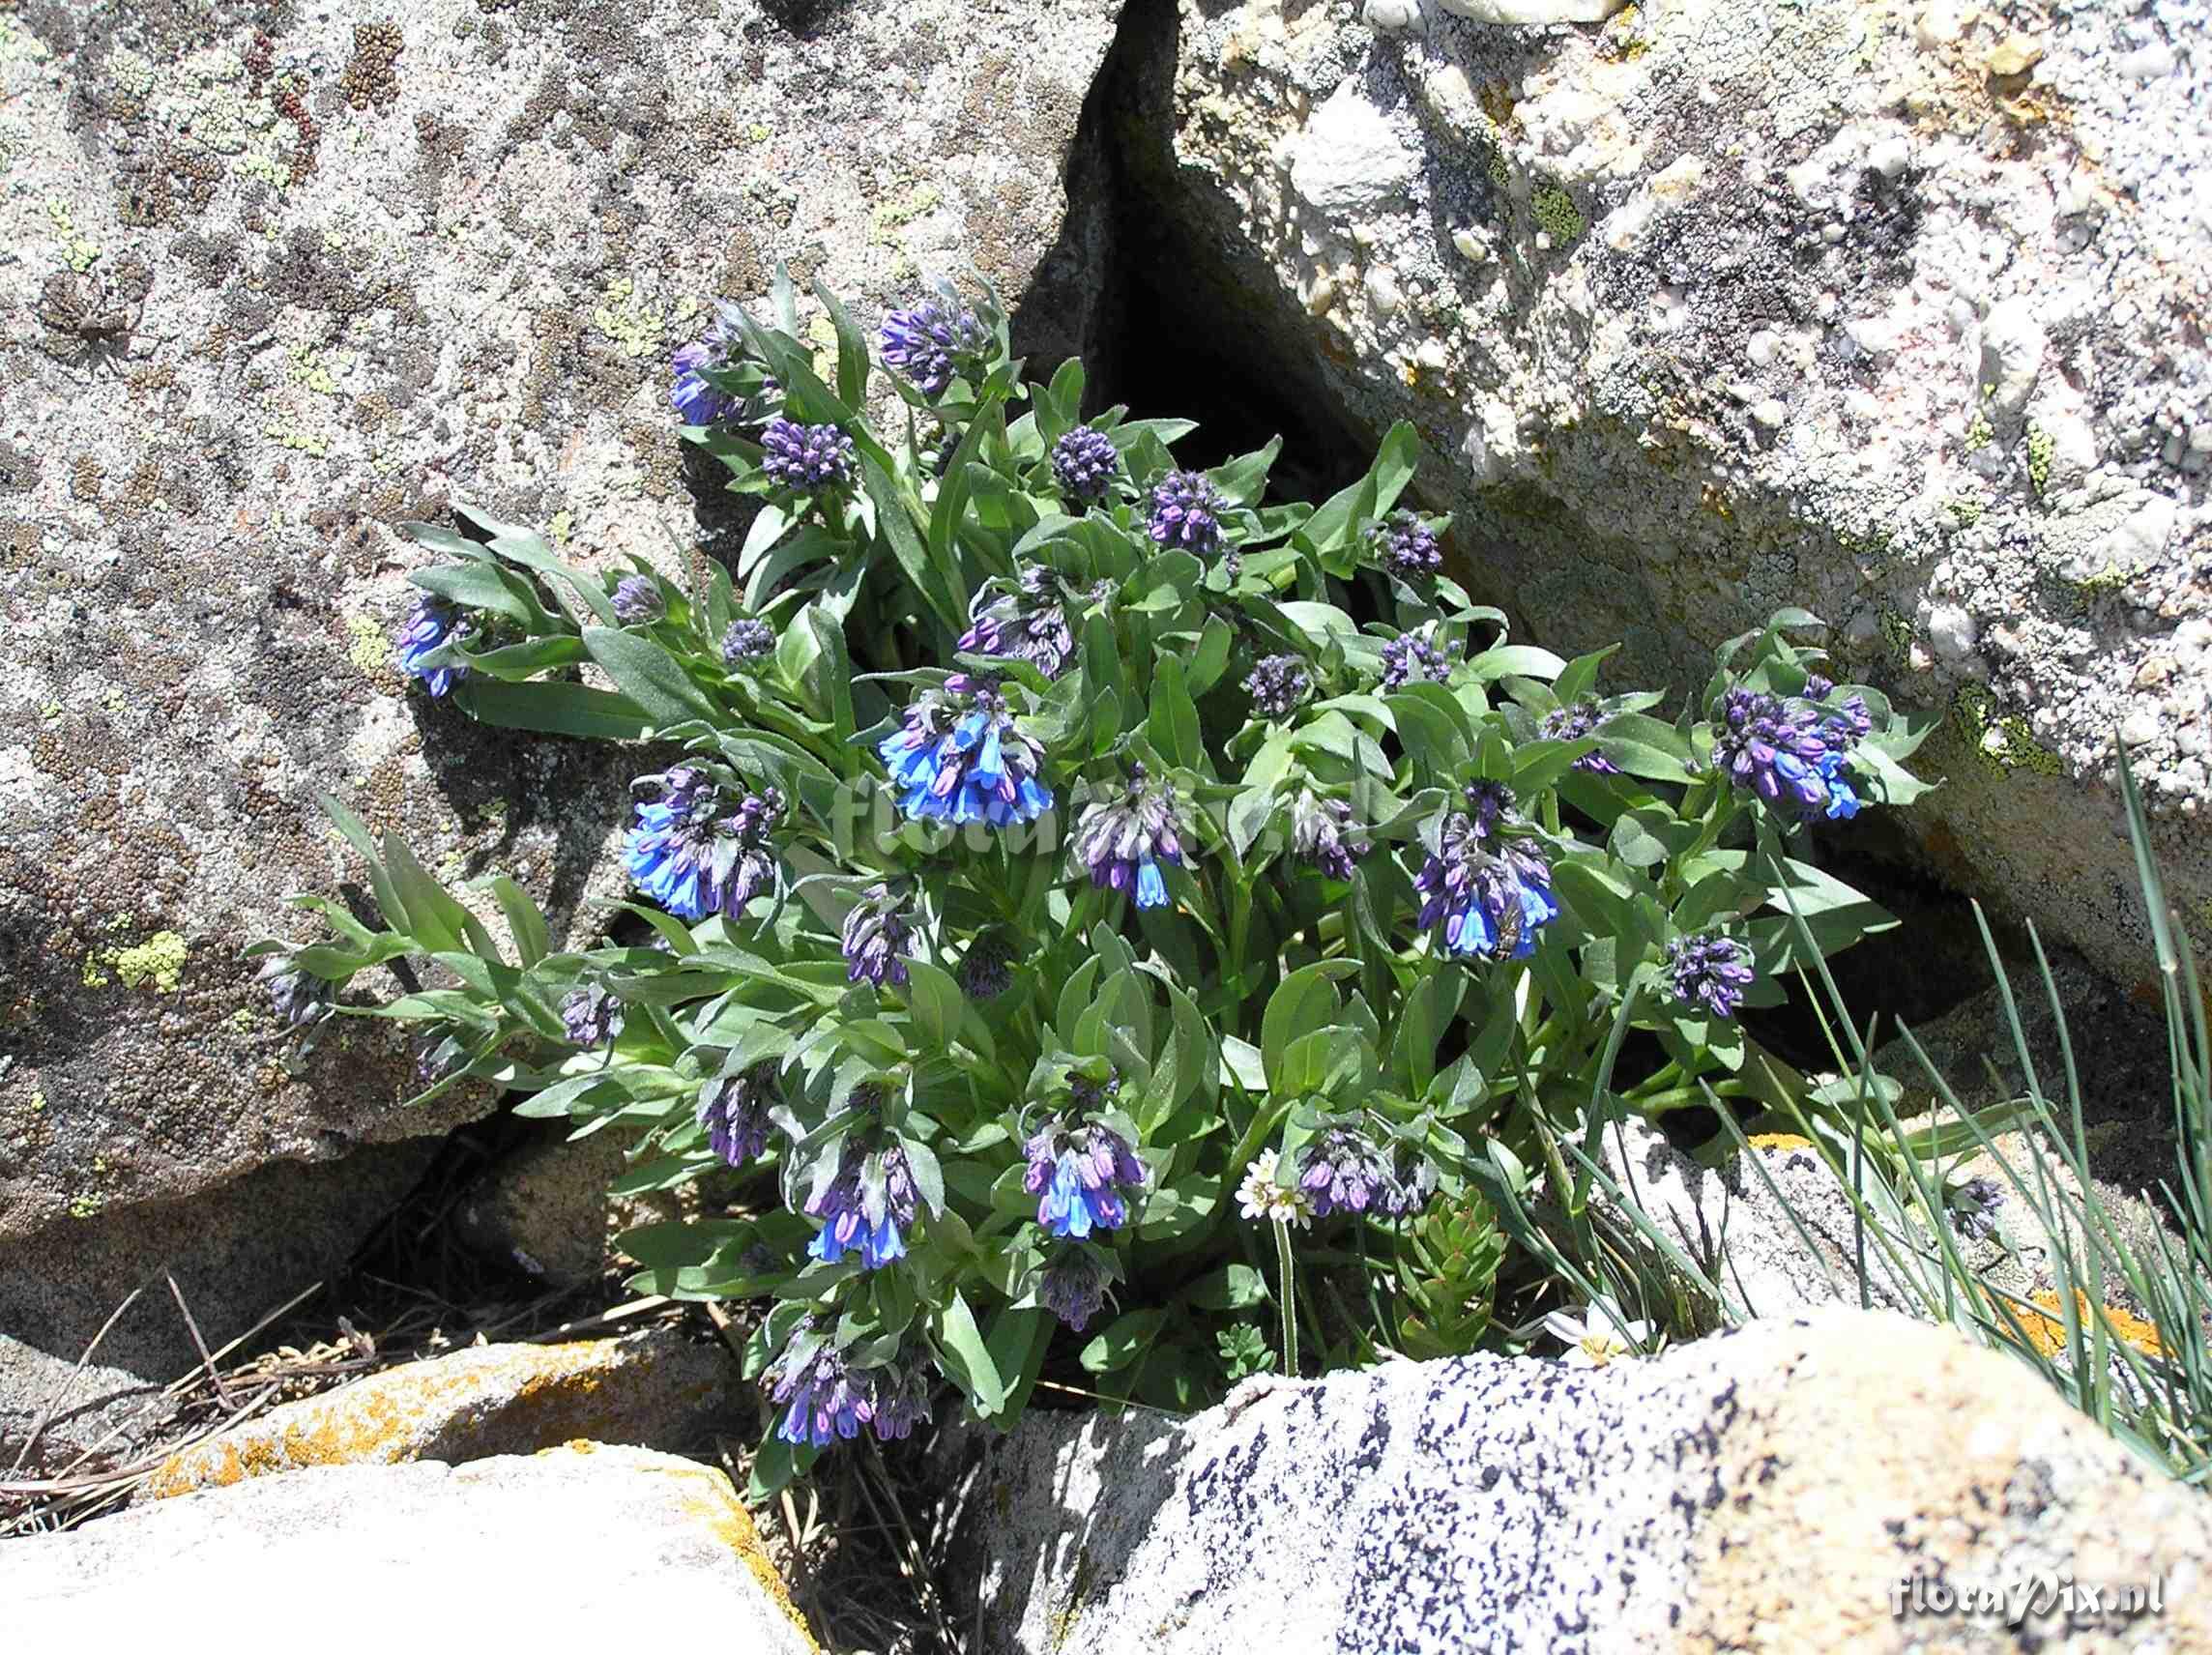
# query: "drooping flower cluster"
{"type": "Point", "coordinates": [439, 1053]}
{"type": "Point", "coordinates": [1974, 1207]}
{"type": "Point", "coordinates": [1787, 752]}
{"type": "Point", "coordinates": [297, 997]}
{"type": "Point", "coordinates": [733, 1112]}
{"type": "Point", "coordinates": [1028, 625]}
{"type": "Point", "coordinates": [1711, 971]}
{"type": "Point", "coordinates": [748, 642]}
{"type": "Point", "coordinates": [958, 758]}
{"type": "Point", "coordinates": [694, 855]}
{"type": "Point", "coordinates": [1121, 844]}
{"type": "Point", "coordinates": [1345, 1169]}
{"type": "Point", "coordinates": [431, 622]}
{"type": "Point", "coordinates": [867, 1207]}
{"type": "Point", "coordinates": [1491, 892]}
{"type": "Point", "coordinates": [900, 1398]}
{"type": "Point", "coordinates": [933, 342]}
{"type": "Point", "coordinates": [1072, 1286]}
{"type": "Point", "coordinates": [1325, 832]}
{"type": "Point", "coordinates": [876, 933]}
{"type": "Point", "coordinates": [1276, 684]}
{"type": "Point", "coordinates": [825, 1399]}
{"type": "Point", "coordinates": [721, 348]}
{"type": "Point", "coordinates": [591, 1016]}
{"type": "Point", "coordinates": [1186, 512]}
{"type": "Point", "coordinates": [1262, 1198]}
{"type": "Point", "coordinates": [985, 970]}
{"type": "Point", "coordinates": [806, 456]}
{"type": "Point", "coordinates": [1078, 1170]}
{"type": "Point", "coordinates": [1406, 547]}
{"type": "Point", "coordinates": [1083, 462]}
{"type": "Point", "coordinates": [637, 600]}
{"type": "Point", "coordinates": [1573, 722]}
{"type": "Point", "coordinates": [1411, 654]}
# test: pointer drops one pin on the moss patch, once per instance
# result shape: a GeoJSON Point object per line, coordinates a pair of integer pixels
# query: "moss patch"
{"type": "Point", "coordinates": [1556, 215]}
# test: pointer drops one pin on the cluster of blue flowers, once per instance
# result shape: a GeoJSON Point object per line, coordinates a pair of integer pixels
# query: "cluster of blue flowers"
{"type": "Point", "coordinates": [867, 1207]}
{"type": "Point", "coordinates": [637, 600]}
{"type": "Point", "coordinates": [1078, 1172]}
{"type": "Point", "coordinates": [734, 1113]}
{"type": "Point", "coordinates": [934, 342]}
{"type": "Point", "coordinates": [958, 758]}
{"type": "Point", "coordinates": [591, 1016]}
{"type": "Point", "coordinates": [748, 642]}
{"type": "Point", "coordinates": [1186, 512]}
{"type": "Point", "coordinates": [825, 1398]}
{"type": "Point", "coordinates": [694, 855]}
{"type": "Point", "coordinates": [1489, 891]}
{"type": "Point", "coordinates": [1711, 971]}
{"type": "Point", "coordinates": [1026, 624]}
{"type": "Point", "coordinates": [1408, 655]}
{"type": "Point", "coordinates": [431, 622]}
{"type": "Point", "coordinates": [1325, 832]}
{"type": "Point", "coordinates": [698, 401]}
{"type": "Point", "coordinates": [1344, 1169]}
{"type": "Point", "coordinates": [1120, 845]}
{"type": "Point", "coordinates": [1791, 752]}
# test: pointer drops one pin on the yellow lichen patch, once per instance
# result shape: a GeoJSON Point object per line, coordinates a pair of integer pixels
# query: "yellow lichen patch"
{"type": "Point", "coordinates": [711, 1499]}
{"type": "Point", "coordinates": [505, 1397]}
{"type": "Point", "coordinates": [1778, 1140]}
{"type": "Point", "coordinates": [159, 962]}
{"type": "Point", "coordinates": [2048, 1332]}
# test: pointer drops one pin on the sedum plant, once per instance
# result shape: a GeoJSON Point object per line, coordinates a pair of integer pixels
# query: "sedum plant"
{"type": "Point", "coordinates": [1097, 902]}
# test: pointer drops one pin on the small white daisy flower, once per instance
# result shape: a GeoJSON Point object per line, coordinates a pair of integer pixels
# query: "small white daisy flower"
{"type": "Point", "coordinates": [1596, 1337]}
{"type": "Point", "coordinates": [1263, 1198]}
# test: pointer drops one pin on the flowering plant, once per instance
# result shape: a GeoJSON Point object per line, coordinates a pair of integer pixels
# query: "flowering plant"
{"type": "Point", "coordinates": [1084, 872]}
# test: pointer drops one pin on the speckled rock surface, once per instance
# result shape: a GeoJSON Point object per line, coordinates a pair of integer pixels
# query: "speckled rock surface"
{"type": "Point", "coordinates": [386, 265]}
{"type": "Point", "coordinates": [578, 1546]}
{"type": "Point", "coordinates": [660, 1388]}
{"type": "Point", "coordinates": [1703, 1500]}
{"type": "Point", "coordinates": [1881, 310]}
{"type": "Point", "coordinates": [543, 1208]}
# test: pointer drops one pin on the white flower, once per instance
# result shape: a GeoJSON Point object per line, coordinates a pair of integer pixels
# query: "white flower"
{"type": "Point", "coordinates": [1597, 1337]}
{"type": "Point", "coordinates": [1265, 1199]}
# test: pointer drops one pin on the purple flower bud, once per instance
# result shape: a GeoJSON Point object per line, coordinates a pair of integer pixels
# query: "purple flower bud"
{"type": "Point", "coordinates": [1571, 724]}
{"type": "Point", "coordinates": [430, 624]}
{"type": "Point", "coordinates": [297, 997]}
{"type": "Point", "coordinates": [748, 642]}
{"type": "Point", "coordinates": [1186, 512]}
{"type": "Point", "coordinates": [807, 456]}
{"type": "Point", "coordinates": [823, 1397]}
{"type": "Point", "coordinates": [592, 1016]}
{"type": "Point", "coordinates": [1073, 1286]}
{"type": "Point", "coordinates": [1406, 547]}
{"type": "Point", "coordinates": [1411, 654]}
{"type": "Point", "coordinates": [733, 1112]}
{"type": "Point", "coordinates": [1711, 971]}
{"type": "Point", "coordinates": [1083, 462]}
{"type": "Point", "coordinates": [1974, 1207]}
{"type": "Point", "coordinates": [1325, 833]}
{"type": "Point", "coordinates": [1343, 1169]}
{"type": "Point", "coordinates": [901, 1399]}
{"type": "Point", "coordinates": [637, 600]}
{"type": "Point", "coordinates": [875, 935]}
{"type": "Point", "coordinates": [1276, 684]}
{"type": "Point", "coordinates": [985, 972]}
{"type": "Point", "coordinates": [933, 341]}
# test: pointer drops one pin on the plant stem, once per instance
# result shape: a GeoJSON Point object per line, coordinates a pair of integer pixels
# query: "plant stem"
{"type": "Point", "coordinates": [1289, 1303]}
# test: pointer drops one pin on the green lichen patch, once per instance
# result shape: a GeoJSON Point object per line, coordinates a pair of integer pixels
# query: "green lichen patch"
{"type": "Point", "coordinates": [636, 327]}
{"type": "Point", "coordinates": [1979, 433]}
{"type": "Point", "coordinates": [891, 215]}
{"type": "Point", "coordinates": [367, 645]}
{"type": "Point", "coordinates": [2001, 741]}
{"type": "Point", "coordinates": [157, 963]}
{"type": "Point", "coordinates": [1966, 511]}
{"type": "Point", "coordinates": [2041, 445]}
{"type": "Point", "coordinates": [1556, 215]}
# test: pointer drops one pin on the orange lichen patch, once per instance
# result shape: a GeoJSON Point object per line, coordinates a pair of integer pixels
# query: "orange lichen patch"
{"type": "Point", "coordinates": [709, 1497]}
{"type": "Point", "coordinates": [1778, 1140]}
{"type": "Point", "coordinates": [2048, 1332]}
{"type": "Point", "coordinates": [498, 1399]}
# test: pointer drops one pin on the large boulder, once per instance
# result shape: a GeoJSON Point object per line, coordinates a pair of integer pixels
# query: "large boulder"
{"type": "Point", "coordinates": [1884, 312]}
{"type": "Point", "coordinates": [575, 1547]}
{"type": "Point", "coordinates": [267, 296]}
{"type": "Point", "coordinates": [1780, 1488]}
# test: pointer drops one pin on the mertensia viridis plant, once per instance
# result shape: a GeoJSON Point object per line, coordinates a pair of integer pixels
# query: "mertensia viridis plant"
{"type": "Point", "coordinates": [1098, 904]}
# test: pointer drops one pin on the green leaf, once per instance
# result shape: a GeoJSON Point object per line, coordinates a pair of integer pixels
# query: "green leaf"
{"type": "Point", "coordinates": [936, 1001]}
{"type": "Point", "coordinates": [533, 941]}
{"type": "Point", "coordinates": [1305, 999]}
{"type": "Point", "coordinates": [1210, 659]}
{"type": "Point", "coordinates": [1173, 725]}
{"type": "Point", "coordinates": [852, 350]}
{"type": "Point", "coordinates": [1644, 747]}
{"type": "Point", "coordinates": [897, 526]}
{"type": "Point", "coordinates": [649, 676]}
{"type": "Point", "coordinates": [968, 1360]}
{"type": "Point", "coordinates": [1236, 1286]}
{"type": "Point", "coordinates": [1128, 1337]}
{"type": "Point", "coordinates": [555, 709]}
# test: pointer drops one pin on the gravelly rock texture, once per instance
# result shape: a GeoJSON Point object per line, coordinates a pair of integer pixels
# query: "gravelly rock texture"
{"type": "Point", "coordinates": [567, 1549]}
{"type": "Point", "coordinates": [1878, 310]}
{"type": "Point", "coordinates": [265, 296]}
{"type": "Point", "coordinates": [1766, 1489]}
